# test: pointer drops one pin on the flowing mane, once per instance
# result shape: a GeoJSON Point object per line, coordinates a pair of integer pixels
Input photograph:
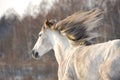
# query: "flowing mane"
{"type": "Point", "coordinates": [78, 27]}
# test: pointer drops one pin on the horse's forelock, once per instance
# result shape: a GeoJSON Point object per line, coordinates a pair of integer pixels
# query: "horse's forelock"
{"type": "Point", "coordinates": [48, 24]}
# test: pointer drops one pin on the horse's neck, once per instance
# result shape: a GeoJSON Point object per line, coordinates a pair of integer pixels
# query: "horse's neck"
{"type": "Point", "coordinates": [61, 47]}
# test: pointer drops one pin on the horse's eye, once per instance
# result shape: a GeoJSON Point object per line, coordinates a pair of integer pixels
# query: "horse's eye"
{"type": "Point", "coordinates": [40, 35]}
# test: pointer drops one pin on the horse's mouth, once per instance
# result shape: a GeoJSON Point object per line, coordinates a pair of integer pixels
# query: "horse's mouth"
{"type": "Point", "coordinates": [36, 58]}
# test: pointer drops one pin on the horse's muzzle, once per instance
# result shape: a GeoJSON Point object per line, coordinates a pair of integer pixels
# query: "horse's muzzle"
{"type": "Point", "coordinates": [35, 54]}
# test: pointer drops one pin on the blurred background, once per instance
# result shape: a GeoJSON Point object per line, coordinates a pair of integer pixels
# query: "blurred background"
{"type": "Point", "coordinates": [20, 25]}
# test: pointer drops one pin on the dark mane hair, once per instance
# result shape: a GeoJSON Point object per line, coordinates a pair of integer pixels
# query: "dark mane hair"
{"type": "Point", "coordinates": [78, 27]}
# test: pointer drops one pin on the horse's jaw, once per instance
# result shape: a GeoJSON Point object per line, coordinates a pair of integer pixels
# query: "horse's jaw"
{"type": "Point", "coordinates": [60, 45]}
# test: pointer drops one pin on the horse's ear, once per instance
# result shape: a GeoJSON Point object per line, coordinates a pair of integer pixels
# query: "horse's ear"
{"type": "Point", "coordinates": [49, 23]}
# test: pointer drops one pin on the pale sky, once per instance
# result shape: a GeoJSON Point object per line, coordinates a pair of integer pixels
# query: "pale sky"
{"type": "Point", "coordinates": [18, 5]}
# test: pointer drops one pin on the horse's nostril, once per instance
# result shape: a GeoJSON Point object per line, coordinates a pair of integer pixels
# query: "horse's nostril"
{"type": "Point", "coordinates": [36, 55]}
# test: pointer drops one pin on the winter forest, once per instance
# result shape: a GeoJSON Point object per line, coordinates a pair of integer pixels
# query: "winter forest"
{"type": "Point", "coordinates": [18, 36]}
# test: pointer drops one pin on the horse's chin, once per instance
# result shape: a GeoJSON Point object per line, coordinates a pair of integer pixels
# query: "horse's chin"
{"type": "Point", "coordinates": [36, 58]}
